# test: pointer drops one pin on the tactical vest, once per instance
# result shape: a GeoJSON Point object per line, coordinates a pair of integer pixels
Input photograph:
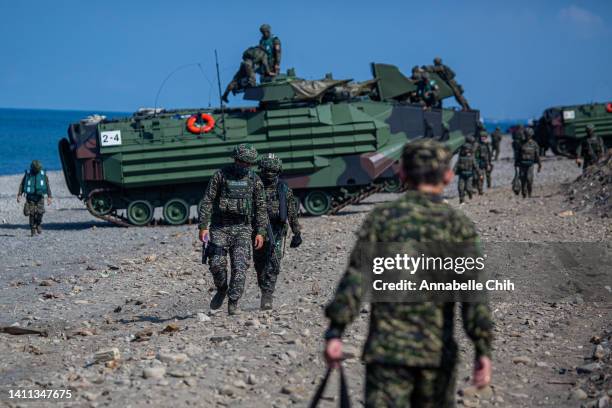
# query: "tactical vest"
{"type": "Point", "coordinates": [593, 148]}
{"type": "Point", "coordinates": [236, 197]}
{"type": "Point", "coordinates": [528, 151]}
{"type": "Point", "coordinates": [278, 209]}
{"type": "Point", "coordinates": [268, 46]}
{"type": "Point", "coordinates": [35, 184]}
{"type": "Point", "coordinates": [465, 165]}
{"type": "Point", "coordinates": [483, 155]}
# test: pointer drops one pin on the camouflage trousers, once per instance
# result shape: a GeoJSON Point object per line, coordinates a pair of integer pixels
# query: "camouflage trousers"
{"type": "Point", "coordinates": [268, 260]}
{"type": "Point", "coordinates": [390, 386]}
{"type": "Point", "coordinates": [34, 208]}
{"type": "Point", "coordinates": [464, 185]}
{"type": "Point", "coordinates": [245, 77]}
{"type": "Point", "coordinates": [495, 151]}
{"type": "Point", "coordinates": [480, 181]}
{"type": "Point", "coordinates": [526, 177]}
{"type": "Point", "coordinates": [236, 241]}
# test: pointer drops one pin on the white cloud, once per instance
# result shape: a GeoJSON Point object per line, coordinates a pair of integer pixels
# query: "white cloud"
{"type": "Point", "coordinates": [579, 16]}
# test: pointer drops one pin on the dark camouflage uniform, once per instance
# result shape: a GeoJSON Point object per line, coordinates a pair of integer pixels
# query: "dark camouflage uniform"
{"type": "Point", "coordinates": [496, 138]}
{"type": "Point", "coordinates": [228, 228]}
{"type": "Point", "coordinates": [254, 60]}
{"type": "Point", "coordinates": [528, 156]}
{"type": "Point", "coordinates": [267, 259]}
{"type": "Point", "coordinates": [34, 207]}
{"type": "Point", "coordinates": [483, 159]}
{"type": "Point", "coordinates": [410, 353]}
{"type": "Point", "coordinates": [591, 149]}
{"type": "Point", "coordinates": [466, 170]}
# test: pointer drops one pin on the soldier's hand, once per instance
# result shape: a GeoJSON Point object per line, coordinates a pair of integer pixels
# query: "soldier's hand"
{"type": "Point", "coordinates": [333, 353]}
{"type": "Point", "coordinates": [277, 69]}
{"type": "Point", "coordinates": [203, 235]}
{"type": "Point", "coordinates": [48, 200]}
{"type": "Point", "coordinates": [259, 241]}
{"type": "Point", "coordinates": [482, 372]}
{"type": "Point", "coordinates": [578, 162]}
{"type": "Point", "coordinates": [296, 241]}
{"type": "Point", "coordinates": [18, 198]}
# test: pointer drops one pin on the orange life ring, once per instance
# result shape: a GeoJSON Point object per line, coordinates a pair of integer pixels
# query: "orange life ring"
{"type": "Point", "coordinates": [609, 107]}
{"type": "Point", "coordinates": [195, 129]}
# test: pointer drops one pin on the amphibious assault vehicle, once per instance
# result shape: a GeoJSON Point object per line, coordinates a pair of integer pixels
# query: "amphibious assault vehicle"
{"type": "Point", "coordinates": [562, 128]}
{"type": "Point", "coordinates": [340, 141]}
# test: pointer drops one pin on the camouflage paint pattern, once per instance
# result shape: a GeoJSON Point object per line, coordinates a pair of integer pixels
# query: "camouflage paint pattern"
{"type": "Point", "coordinates": [236, 240]}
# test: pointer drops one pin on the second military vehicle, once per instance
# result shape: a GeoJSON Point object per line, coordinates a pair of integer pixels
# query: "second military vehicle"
{"type": "Point", "coordinates": [562, 128]}
{"type": "Point", "coordinates": [339, 141]}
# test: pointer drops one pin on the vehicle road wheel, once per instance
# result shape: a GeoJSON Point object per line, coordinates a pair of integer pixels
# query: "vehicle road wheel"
{"type": "Point", "coordinates": [140, 212]}
{"type": "Point", "coordinates": [317, 202]}
{"type": "Point", "coordinates": [101, 204]}
{"type": "Point", "coordinates": [176, 211]}
{"type": "Point", "coordinates": [392, 186]}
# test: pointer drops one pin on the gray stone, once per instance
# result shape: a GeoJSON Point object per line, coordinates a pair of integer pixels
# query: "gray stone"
{"type": "Point", "coordinates": [156, 372]}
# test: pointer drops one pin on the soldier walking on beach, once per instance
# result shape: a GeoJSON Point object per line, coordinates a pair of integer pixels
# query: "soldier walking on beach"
{"type": "Point", "coordinates": [496, 138]}
{"type": "Point", "coordinates": [529, 154]}
{"type": "Point", "coordinates": [233, 202]}
{"type": "Point", "coordinates": [466, 169]}
{"type": "Point", "coordinates": [591, 150]}
{"type": "Point", "coordinates": [410, 353]}
{"type": "Point", "coordinates": [272, 46]}
{"type": "Point", "coordinates": [483, 159]}
{"type": "Point", "coordinates": [35, 185]}
{"type": "Point", "coordinates": [282, 213]}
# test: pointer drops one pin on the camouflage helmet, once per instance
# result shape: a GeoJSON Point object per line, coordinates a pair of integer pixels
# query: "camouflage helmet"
{"type": "Point", "coordinates": [36, 166]}
{"type": "Point", "coordinates": [265, 27]}
{"type": "Point", "coordinates": [470, 139]}
{"type": "Point", "coordinates": [246, 153]}
{"type": "Point", "coordinates": [483, 133]}
{"type": "Point", "coordinates": [529, 132]}
{"type": "Point", "coordinates": [425, 161]}
{"type": "Point", "coordinates": [271, 163]}
{"type": "Point", "coordinates": [437, 60]}
{"type": "Point", "coordinates": [590, 127]}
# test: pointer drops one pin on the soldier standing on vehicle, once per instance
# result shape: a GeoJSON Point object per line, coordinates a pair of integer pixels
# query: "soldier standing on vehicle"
{"type": "Point", "coordinates": [496, 138]}
{"type": "Point", "coordinates": [35, 185]}
{"type": "Point", "coordinates": [233, 202]}
{"type": "Point", "coordinates": [448, 76]}
{"type": "Point", "coordinates": [591, 150]}
{"type": "Point", "coordinates": [282, 212]}
{"type": "Point", "coordinates": [466, 169]}
{"type": "Point", "coordinates": [410, 354]}
{"type": "Point", "coordinates": [528, 156]}
{"type": "Point", "coordinates": [272, 46]}
{"type": "Point", "coordinates": [254, 60]}
{"type": "Point", "coordinates": [483, 158]}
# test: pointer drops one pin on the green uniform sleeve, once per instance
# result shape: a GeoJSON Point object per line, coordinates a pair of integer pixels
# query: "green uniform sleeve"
{"type": "Point", "coordinates": [206, 204]}
{"type": "Point", "coordinates": [344, 307]}
{"type": "Point", "coordinates": [49, 194]}
{"type": "Point", "coordinates": [537, 154]}
{"type": "Point", "coordinates": [261, 209]}
{"type": "Point", "coordinates": [20, 192]}
{"type": "Point", "coordinates": [277, 51]}
{"type": "Point", "coordinates": [293, 209]}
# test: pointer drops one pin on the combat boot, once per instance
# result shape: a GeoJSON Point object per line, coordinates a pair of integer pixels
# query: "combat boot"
{"type": "Point", "coordinates": [33, 232]}
{"type": "Point", "coordinates": [39, 229]}
{"type": "Point", "coordinates": [217, 300]}
{"type": "Point", "coordinates": [266, 301]}
{"type": "Point", "coordinates": [232, 307]}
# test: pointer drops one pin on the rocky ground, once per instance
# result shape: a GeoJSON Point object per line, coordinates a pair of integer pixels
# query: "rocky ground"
{"type": "Point", "coordinates": [142, 291]}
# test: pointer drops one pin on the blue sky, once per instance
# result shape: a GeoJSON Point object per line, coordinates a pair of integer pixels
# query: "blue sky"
{"type": "Point", "coordinates": [513, 58]}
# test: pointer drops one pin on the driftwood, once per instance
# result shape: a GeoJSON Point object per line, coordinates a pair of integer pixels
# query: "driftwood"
{"type": "Point", "coordinates": [18, 331]}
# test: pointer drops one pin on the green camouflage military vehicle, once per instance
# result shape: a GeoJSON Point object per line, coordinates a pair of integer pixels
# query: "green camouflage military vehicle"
{"type": "Point", "coordinates": [340, 141]}
{"type": "Point", "coordinates": [562, 128]}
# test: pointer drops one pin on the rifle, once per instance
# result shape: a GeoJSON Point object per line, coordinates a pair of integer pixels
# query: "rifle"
{"type": "Point", "coordinates": [345, 401]}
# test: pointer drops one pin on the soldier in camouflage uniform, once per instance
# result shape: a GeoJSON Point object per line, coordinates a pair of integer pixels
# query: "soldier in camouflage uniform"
{"type": "Point", "coordinates": [466, 170]}
{"type": "Point", "coordinates": [529, 154]}
{"type": "Point", "coordinates": [254, 60]}
{"type": "Point", "coordinates": [496, 138]}
{"type": "Point", "coordinates": [233, 202]}
{"type": "Point", "coordinates": [282, 212]}
{"type": "Point", "coordinates": [448, 76]}
{"type": "Point", "coordinates": [272, 45]}
{"type": "Point", "coordinates": [591, 150]}
{"type": "Point", "coordinates": [35, 185]}
{"type": "Point", "coordinates": [518, 138]}
{"type": "Point", "coordinates": [410, 353]}
{"type": "Point", "coordinates": [483, 159]}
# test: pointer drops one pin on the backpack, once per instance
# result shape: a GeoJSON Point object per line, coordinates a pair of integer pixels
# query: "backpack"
{"type": "Point", "coordinates": [35, 184]}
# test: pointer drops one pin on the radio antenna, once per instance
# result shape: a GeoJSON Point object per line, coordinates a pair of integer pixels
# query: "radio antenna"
{"type": "Point", "coordinates": [177, 69]}
{"type": "Point", "coordinates": [220, 97]}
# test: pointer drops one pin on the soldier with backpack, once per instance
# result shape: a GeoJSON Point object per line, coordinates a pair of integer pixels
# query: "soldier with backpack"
{"type": "Point", "coordinates": [529, 154]}
{"type": "Point", "coordinates": [591, 150]}
{"type": "Point", "coordinates": [465, 169]}
{"type": "Point", "coordinates": [483, 157]}
{"type": "Point", "coordinates": [282, 213]}
{"type": "Point", "coordinates": [35, 185]}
